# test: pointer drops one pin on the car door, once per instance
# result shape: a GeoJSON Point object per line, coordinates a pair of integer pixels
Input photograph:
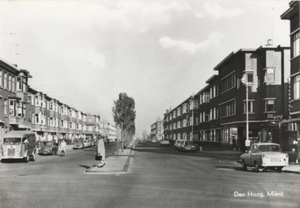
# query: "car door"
{"type": "Point", "coordinates": [247, 156]}
{"type": "Point", "coordinates": [254, 154]}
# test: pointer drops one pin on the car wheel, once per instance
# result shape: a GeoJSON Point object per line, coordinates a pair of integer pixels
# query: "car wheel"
{"type": "Point", "coordinates": [279, 169]}
{"type": "Point", "coordinates": [256, 167]}
{"type": "Point", "coordinates": [244, 165]}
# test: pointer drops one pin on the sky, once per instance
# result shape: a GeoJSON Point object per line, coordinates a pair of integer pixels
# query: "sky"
{"type": "Point", "coordinates": [159, 52]}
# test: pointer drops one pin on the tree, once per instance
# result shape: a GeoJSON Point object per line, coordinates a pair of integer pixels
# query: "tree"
{"type": "Point", "coordinates": [124, 115]}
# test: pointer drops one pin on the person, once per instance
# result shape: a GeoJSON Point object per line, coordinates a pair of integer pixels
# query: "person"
{"type": "Point", "coordinates": [234, 144]}
{"type": "Point", "coordinates": [269, 138]}
{"type": "Point", "coordinates": [298, 151]}
{"type": "Point", "coordinates": [62, 146]}
{"type": "Point", "coordinates": [100, 154]}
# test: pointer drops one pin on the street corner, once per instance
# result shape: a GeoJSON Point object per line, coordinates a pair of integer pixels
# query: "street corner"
{"type": "Point", "coordinates": [113, 165]}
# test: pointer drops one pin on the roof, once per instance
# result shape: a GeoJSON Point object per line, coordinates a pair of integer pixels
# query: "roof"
{"type": "Point", "coordinates": [18, 133]}
{"type": "Point", "coordinates": [293, 10]}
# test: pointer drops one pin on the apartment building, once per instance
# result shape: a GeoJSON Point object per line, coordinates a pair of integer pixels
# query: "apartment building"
{"type": "Point", "coordinates": [182, 121]}
{"type": "Point", "coordinates": [157, 130]}
{"type": "Point", "coordinates": [24, 108]}
{"type": "Point", "coordinates": [292, 14]}
{"type": "Point", "coordinates": [219, 112]}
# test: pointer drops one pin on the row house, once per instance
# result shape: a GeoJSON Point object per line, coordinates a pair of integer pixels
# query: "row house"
{"type": "Point", "coordinates": [24, 108]}
{"type": "Point", "coordinates": [157, 130]}
{"type": "Point", "coordinates": [218, 111]}
{"type": "Point", "coordinates": [292, 14]}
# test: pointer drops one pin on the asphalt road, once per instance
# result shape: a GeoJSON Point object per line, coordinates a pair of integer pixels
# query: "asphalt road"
{"type": "Point", "coordinates": [159, 177]}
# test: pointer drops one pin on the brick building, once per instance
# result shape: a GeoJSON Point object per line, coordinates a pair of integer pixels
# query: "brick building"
{"type": "Point", "coordinates": [218, 111]}
{"type": "Point", "coordinates": [24, 108]}
{"type": "Point", "coordinates": [292, 14]}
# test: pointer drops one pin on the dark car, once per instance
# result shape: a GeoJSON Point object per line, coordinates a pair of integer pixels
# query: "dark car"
{"type": "Point", "coordinates": [188, 146]}
{"type": "Point", "coordinates": [48, 148]}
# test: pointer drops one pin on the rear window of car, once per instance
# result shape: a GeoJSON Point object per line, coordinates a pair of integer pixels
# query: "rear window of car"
{"type": "Point", "coordinates": [269, 148]}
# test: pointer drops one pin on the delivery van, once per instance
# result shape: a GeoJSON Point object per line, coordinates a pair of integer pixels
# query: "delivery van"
{"type": "Point", "coordinates": [19, 145]}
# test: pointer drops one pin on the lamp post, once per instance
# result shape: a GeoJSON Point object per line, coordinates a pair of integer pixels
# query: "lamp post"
{"type": "Point", "coordinates": [245, 81]}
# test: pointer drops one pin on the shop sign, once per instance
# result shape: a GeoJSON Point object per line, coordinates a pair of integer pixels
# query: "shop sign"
{"type": "Point", "coordinates": [274, 117]}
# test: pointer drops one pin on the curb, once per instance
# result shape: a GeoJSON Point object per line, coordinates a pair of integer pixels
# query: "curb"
{"type": "Point", "coordinates": [126, 169]}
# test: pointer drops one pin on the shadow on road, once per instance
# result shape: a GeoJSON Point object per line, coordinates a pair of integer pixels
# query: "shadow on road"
{"type": "Point", "coordinates": [85, 166]}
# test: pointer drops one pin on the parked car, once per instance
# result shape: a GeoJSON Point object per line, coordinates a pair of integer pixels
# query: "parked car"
{"type": "Point", "coordinates": [18, 145]}
{"type": "Point", "coordinates": [48, 147]}
{"type": "Point", "coordinates": [165, 142]}
{"type": "Point", "coordinates": [86, 143]}
{"type": "Point", "coordinates": [78, 144]}
{"type": "Point", "coordinates": [177, 144]}
{"type": "Point", "coordinates": [188, 146]}
{"type": "Point", "coordinates": [265, 155]}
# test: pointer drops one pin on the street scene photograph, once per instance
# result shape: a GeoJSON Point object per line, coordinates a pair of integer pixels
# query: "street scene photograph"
{"type": "Point", "coordinates": [149, 103]}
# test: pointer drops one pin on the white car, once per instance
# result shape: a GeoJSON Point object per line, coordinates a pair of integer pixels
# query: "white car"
{"type": "Point", "coordinates": [165, 142]}
{"type": "Point", "coordinates": [265, 155]}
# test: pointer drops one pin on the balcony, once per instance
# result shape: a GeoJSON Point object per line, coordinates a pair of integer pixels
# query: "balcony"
{"type": "Point", "coordinates": [22, 96]}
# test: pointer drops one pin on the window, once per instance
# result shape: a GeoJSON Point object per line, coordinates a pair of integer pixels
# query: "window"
{"type": "Point", "coordinates": [1, 78]}
{"type": "Point", "coordinates": [228, 109]}
{"type": "Point", "coordinates": [296, 44]}
{"type": "Point", "coordinates": [12, 110]}
{"type": "Point", "coordinates": [269, 105]}
{"type": "Point", "coordinates": [13, 84]}
{"type": "Point", "coordinates": [270, 75]}
{"type": "Point", "coordinates": [9, 82]}
{"type": "Point", "coordinates": [228, 82]}
{"type": "Point", "coordinates": [250, 77]}
{"type": "Point", "coordinates": [5, 107]}
{"type": "Point", "coordinates": [250, 106]}
{"type": "Point", "coordinates": [5, 80]}
{"type": "Point", "coordinates": [296, 87]}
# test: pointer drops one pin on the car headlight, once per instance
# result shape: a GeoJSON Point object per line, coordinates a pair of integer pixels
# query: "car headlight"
{"type": "Point", "coordinates": [263, 156]}
{"type": "Point", "coordinates": [287, 156]}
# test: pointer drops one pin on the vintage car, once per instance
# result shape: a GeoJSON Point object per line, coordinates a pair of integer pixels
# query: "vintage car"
{"type": "Point", "coordinates": [18, 145]}
{"type": "Point", "coordinates": [165, 142]}
{"type": "Point", "coordinates": [78, 144]}
{"type": "Point", "coordinates": [264, 155]}
{"type": "Point", "coordinates": [177, 144]}
{"type": "Point", "coordinates": [188, 146]}
{"type": "Point", "coordinates": [48, 148]}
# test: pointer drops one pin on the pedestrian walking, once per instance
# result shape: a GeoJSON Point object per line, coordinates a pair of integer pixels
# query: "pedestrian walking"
{"type": "Point", "coordinates": [100, 154]}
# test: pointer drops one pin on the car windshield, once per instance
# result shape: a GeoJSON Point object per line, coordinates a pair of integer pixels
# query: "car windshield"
{"type": "Point", "coordinates": [11, 141]}
{"type": "Point", "coordinates": [269, 148]}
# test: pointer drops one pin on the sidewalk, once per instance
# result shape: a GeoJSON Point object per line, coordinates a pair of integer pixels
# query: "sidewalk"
{"type": "Point", "coordinates": [118, 163]}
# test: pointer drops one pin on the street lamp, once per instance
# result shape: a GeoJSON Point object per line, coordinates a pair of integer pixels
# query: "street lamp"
{"type": "Point", "coordinates": [245, 81]}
